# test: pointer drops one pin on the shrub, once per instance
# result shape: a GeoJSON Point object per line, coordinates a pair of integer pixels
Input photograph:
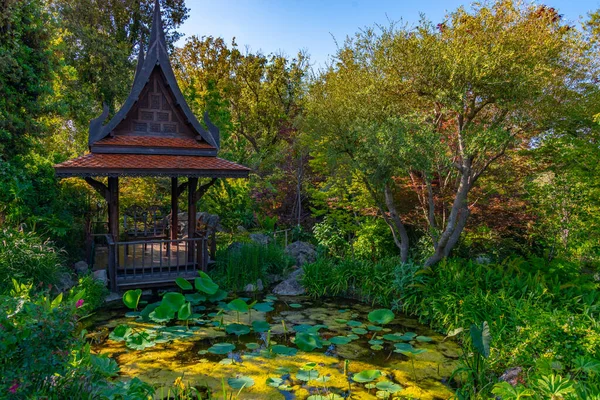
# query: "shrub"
{"type": "Point", "coordinates": [42, 354]}
{"type": "Point", "coordinates": [94, 292]}
{"type": "Point", "coordinates": [28, 259]}
{"type": "Point", "coordinates": [248, 262]}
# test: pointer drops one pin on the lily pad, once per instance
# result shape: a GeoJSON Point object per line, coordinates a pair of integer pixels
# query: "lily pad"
{"type": "Point", "coordinates": [238, 305]}
{"type": "Point", "coordinates": [185, 312]}
{"type": "Point", "coordinates": [354, 323]}
{"type": "Point", "coordinates": [195, 298]}
{"type": "Point", "coordinates": [368, 375]}
{"type": "Point", "coordinates": [340, 340]}
{"type": "Point", "coordinates": [263, 307]}
{"type": "Point", "coordinates": [381, 317]}
{"type": "Point", "coordinates": [304, 375]}
{"type": "Point", "coordinates": [295, 305]}
{"type": "Point", "coordinates": [237, 329]}
{"type": "Point", "coordinates": [393, 337]}
{"type": "Point", "coordinates": [131, 298]}
{"type": "Point", "coordinates": [308, 341]}
{"type": "Point", "coordinates": [162, 314]}
{"type": "Point", "coordinates": [240, 382]}
{"type": "Point", "coordinates": [260, 326]}
{"type": "Point", "coordinates": [322, 379]}
{"type": "Point", "coordinates": [271, 298]}
{"type": "Point", "coordinates": [411, 351]}
{"type": "Point", "coordinates": [403, 347]}
{"type": "Point", "coordinates": [388, 386]}
{"type": "Point", "coordinates": [173, 300]}
{"type": "Point", "coordinates": [374, 328]}
{"type": "Point", "coordinates": [274, 382]}
{"type": "Point", "coordinates": [120, 333]}
{"type": "Point", "coordinates": [377, 347]}
{"type": "Point", "coordinates": [353, 336]}
{"type": "Point", "coordinates": [252, 346]}
{"type": "Point", "coordinates": [218, 296]}
{"type": "Point", "coordinates": [341, 320]}
{"type": "Point", "coordinates": [423, 339]}
{"type": "Point", "coordinates": [205, 284]}
{"type": "Point", "coordinates": [359, 331]}
{"type": "Point", "coordinates": [139, 341]}
{"type": "Point", "coordinates": [329, 396]}
{"type": "Point", "coordinates": [410, 335]}
{"type": "Point", "coordinates": [221, 348]}
{"type": "Point", "coordinates": [183, 284]}
{"type": "Point", "coordinates": [375, 341]}
{"type": "Point", "coordinates": [283, 350]}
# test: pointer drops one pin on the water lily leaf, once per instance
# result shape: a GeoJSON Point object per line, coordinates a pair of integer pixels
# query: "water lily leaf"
{"type": "Point", "coordinates": [411, 351]}
{"type": "Point", "coordinates": [217, 296]}
{"type": "Point", "coordinates": [274, 382]}
{"type": "Point", "coordinates": [131, 298]}
{"type": "Point", "coordinates": [205, 284]}
{"type": "Point", "coordinates": [322, 379]}
{"type": "Point", "coordinates": [221, 348]}
{"type": "Point", "coordinates": [240, 382]}
{"type": "Point", "coordinates": [132, 314]}
{"type": "Point", "coordinates": [340, 340]}
{"type": "Point", "coordinates": [381, 317]}
{"type": "Point", "coordinates": [283, 350]}
{"type": "Point", "coordinates": [271, 298]}
{"type": "Point", "coordinates": [252, 346]}
{"type": "Point", "coordinates": [237, 329]}
{"type": "Point", "coordinates": [120, 333]}
{"type": "Point", "coordinates": [393, 337]}
{"type": "Point", "coordinates": [139, 341]}
{"type": "Point", "coordinates": [329, 396]}
{"type": "Point", "coordinates": [238, 305]}
{"type": "Point", "coordinates": [202, 352]}
{"type": "Point", "coordinates": [341, 321]}
{"type": "Point", "coordinates": [388, 386]}
{"type": "Point", "coordinates": [308, 341]}
{"type": "Point", "coordinates": [375, 341]}
{"type": "Point", "coordinates": [304, 375]}
{"type": "Point", "coordinates": [368, 375]}
{"type": "Point", "coordinates": [374, 328]}
{"type": "Point", "coordinates": [353, 336]}
{"type": "Point", "coordinates": [173, 300]}
{"type": "Point", "coordinates": [195, 298]}
{"type": "Point", "coordinates": [282, 370]}
{"type": "Point", "coordinates": [409, 336]}
{"type": "Point", "coordinates": [263, 307]}
{"type": "Point", "coordinates": [183, 284]}
{"type": "Point", "coordinates": [377, 347]}
{"type": "Point", "coordinates": [184, 312]}
{"type": "Point", "coordinates": [354, 323]}
{"type": "Point", "coordinates": [423, 339]}
{"type": "Point", "coordinates": [260, 326]}
{"type": "Point", "coordinates": [295, 305]}
{"type": "Point", "coordinates": [162, 314]}
{"type": "Point", "coordinates": [309, 366]}
{"type": "Point", "coordinates": [403, 347]}
{"type": "Point", "coordinates": [359, 331]}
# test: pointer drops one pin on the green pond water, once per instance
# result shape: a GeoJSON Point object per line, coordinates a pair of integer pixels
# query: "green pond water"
{"type": "Point", "coordinates": [324, 373]}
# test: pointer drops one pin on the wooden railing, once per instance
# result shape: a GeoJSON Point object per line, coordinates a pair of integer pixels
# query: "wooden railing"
{"type": "Point", "coordinates": [154, 262]}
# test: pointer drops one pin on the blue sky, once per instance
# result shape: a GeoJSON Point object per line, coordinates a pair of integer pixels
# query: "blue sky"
{"type": "Point", "coordinates": [290, 25]}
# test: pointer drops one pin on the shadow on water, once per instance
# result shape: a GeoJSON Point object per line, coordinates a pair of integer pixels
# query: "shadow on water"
{"type": "Point", "coordinates": [367, 350]}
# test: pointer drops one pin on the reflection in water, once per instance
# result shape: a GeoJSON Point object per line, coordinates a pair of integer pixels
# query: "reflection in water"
{"type": "Point", "coordinates": [188, 358]}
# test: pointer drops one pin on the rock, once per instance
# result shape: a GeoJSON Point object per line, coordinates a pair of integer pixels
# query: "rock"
{"type": "Point", "coordinates": [204, 220]}
{"type": "Point", "coordinates": [112, 297]}
{"type": "Point", "coordinates": [291, 286]}
{"type": "Point", "coordinates": [100, 275]}
{"type": "Point", "coordinates": [241, 229]}
{"type": "Point", "coordinates": [302, 252]}
{"type": "Point", "coordinates": [260, 238]}
{"type": "Point", "coordinates": [251, 287]}
{"type": "Point", "coordinates": [512, 375]}
{"type": "Point", "coordinates": [65, 282]}
{"type": "Point", "coordinates": [81, 268]}
{"type": "Point", "coordinates": [273, 278]}
{"type": "Point", "coordinates": [235, 246]}
{"type": "Point", "coordinates": [483, 259]}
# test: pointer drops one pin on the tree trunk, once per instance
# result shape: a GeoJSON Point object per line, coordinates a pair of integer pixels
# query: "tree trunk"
{"type": "Point", "coordinates": [402, 242]}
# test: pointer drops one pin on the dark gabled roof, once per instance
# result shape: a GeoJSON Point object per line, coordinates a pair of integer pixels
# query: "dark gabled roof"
{"type": "Point", "coordinates": [157, 57]}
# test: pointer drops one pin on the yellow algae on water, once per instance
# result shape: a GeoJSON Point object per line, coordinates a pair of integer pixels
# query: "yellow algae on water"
{"type": "Point", "coordinates": [165, 363]}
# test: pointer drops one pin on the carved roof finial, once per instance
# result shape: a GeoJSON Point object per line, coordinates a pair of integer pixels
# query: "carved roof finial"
{"type": "Point", "coordinates": [157, 33]}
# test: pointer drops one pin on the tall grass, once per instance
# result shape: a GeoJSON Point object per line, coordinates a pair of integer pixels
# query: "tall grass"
{"type": "Point", "coordinates": [249, 262]}
{"type": "Point", "coordinates": [28, 259]}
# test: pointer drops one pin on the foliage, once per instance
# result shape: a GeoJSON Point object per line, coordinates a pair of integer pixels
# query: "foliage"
{"type": "Point", "coordinates": [95, 292]}
{"type": "Point", "coordinates": [43, 355]}
{"type": "Point", "coordinates": [248, 262]}
{"type": "Point", "coordinates": [372, 281]}
{"type": "Point", "coordinates": [28, 259]}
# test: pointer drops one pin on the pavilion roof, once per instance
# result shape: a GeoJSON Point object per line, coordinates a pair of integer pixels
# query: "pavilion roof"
{"type": "Point", "coordinates": [155, 132]}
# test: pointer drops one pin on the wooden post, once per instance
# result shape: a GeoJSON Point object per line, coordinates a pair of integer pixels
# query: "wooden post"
{"type": "Point", "coordinates": [113, 208]}
{"type": "Point", "coordinates": [174, 210]}
{"type": "Point", "coordinates": [192, 184]}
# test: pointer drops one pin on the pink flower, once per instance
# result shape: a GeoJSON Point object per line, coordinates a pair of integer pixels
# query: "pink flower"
{"type": "Point", "coordinates": [14, 387]}
{"type": "Point", "coordinates": [79, 303]}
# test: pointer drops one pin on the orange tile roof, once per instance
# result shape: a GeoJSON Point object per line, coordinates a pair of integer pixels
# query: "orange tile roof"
{"type": "Point", "coordinates": [97, 164]}
{"type": "Point", "coordinates": [153, 141]}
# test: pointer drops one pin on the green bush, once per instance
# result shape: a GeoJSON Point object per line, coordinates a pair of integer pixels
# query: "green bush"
{"type": "Point", "coordinates": [28, 259]}
{"type": "Point", "coordinates": [238, 266]}
{"type": "Point", "coordinates": [366, 280]}
{"type": "Point", "coordinates": [43, 355]}
{"type": "Point", "coordinates": [94, 292]}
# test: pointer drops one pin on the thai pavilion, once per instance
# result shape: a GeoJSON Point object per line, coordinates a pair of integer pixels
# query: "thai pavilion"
{"type": "Point", "coordinates": [154, 134]}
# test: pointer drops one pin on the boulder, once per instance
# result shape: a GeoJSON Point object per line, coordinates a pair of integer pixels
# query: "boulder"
{"type": "Point", "coordinates": [251, 287]}
{"type": "Point", "coordinates": [65, 282]}
{"type": "Point", "coordinates": [100, 275]}
{"type": "Point", "coordinates": [291, 286]}
{"type": "Point", "coordinates": [81, 268]}
{"type": "Point", "coordinates": [302, 252]}
{"type": "Point", "coordinates": [260, 238]}
{"type": "Point", "coordinates": [512, 375]}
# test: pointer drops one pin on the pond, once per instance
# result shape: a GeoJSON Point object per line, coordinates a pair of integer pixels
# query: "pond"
{"type": "Point", "coordinates": [397, 354]}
